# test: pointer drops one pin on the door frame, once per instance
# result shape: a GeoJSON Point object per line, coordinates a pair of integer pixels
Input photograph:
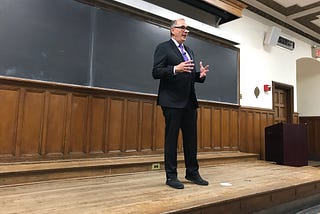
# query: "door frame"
{"type": "Point", "coordinates": [289, 102]}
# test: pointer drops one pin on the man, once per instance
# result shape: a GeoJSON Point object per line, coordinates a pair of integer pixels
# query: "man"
{"type": "Point", "coordinates": [174, 66]}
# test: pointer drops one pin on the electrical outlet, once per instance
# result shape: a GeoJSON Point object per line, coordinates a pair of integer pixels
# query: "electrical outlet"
{"type": "Point", "coordinates": [155, 166]}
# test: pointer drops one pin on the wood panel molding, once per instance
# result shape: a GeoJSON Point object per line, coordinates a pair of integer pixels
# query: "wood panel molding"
{"type": "Point", "coordinates": [218, 127]}
{"type": "Point", "coordinates": [253, 122]}
{"type": "Point", "coordinates": [232, 6]}
{"type": "Point", "coordinates": [295, 118]}
{"type": "Point", "coordinates": [43, 120]}
{"type": "Point", "coordinates": [313, 135]}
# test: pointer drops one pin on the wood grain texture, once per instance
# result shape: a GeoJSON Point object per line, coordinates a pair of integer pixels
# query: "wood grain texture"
{"type": "Point", "coordinates": [252, 127]}
{"type": "Point", "coordinates": [253, 186]}
{"type": "Point", "coordinates": [313, 134]}
{"type": "Point", "coordinates": [42, 120]}
{"type": "Point", "coordinates": [34, 171]}
{"type": "Point", "coordinates": [9, 99]}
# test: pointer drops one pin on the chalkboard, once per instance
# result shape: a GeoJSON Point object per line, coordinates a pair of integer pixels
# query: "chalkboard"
{"type": "Point", "coordinates": [123, 58]}
{"type": "Point", "coordinates": [123, 52]}
{"type": "Point", "coordinates": [45, 40]}
{"type": "Point", "coordinates": [71, 42]}
{"type": "Point", "coordinates": [222, 79]}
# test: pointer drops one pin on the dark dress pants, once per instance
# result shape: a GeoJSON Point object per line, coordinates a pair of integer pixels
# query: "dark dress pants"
{"type": "Point", "coordinates": [186, 119]}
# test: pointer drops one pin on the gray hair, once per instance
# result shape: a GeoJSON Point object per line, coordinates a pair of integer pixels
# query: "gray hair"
{"type": "Point", "coordinates": [173, 24]}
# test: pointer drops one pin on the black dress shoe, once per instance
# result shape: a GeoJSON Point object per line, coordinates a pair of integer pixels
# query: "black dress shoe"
{"type": "Point", "coordinates": [174, 183]}
{"type": "Point", "coordinates": [197, 180]}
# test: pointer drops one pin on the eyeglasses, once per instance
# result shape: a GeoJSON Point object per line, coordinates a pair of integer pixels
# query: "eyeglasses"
{"type": "Point", "coordinates": [182, 27]}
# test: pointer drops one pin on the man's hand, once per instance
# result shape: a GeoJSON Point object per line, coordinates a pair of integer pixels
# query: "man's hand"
{"type": "Point", "coordinates": [203, 70]}
{"type": "Point", "coordinates": [186, 66]}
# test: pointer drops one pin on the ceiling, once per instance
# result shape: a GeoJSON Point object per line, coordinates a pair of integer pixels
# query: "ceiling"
{"type": "Point", "coordinates": [300, 16]}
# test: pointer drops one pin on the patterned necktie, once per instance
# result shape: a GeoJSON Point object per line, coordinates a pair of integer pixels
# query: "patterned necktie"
{"type": "Point", "coordinates": [183, 52]}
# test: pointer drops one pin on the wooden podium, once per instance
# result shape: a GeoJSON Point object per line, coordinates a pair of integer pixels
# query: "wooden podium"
{"type": "Point", "coordinates": [286, 144]}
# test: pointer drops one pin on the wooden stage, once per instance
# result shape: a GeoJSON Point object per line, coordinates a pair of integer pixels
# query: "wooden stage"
{"type": "Point", "coordinates": [235, 187]}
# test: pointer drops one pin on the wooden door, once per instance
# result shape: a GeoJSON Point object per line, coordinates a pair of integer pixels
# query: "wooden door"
{"type": "Point", "coordinates": [282, 103]}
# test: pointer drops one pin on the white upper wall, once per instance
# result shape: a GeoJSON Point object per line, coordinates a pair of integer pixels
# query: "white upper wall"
{"type": "Point", "coordinates": [170, 15]}
{"type": "Point", "coordinates": [259, 64]}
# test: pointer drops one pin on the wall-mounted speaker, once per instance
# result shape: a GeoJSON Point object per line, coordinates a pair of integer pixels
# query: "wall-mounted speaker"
{"type": "Point", "coordinates": [272, 36]}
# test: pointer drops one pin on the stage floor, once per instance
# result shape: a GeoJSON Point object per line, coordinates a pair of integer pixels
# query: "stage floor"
{"type": "Point", "coordinates": [145, 192]}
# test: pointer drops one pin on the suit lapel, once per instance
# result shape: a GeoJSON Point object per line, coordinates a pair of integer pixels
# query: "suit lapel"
{"type": "Point", "coordinates": [176, 50]}
{"type": "Point", "coordinates": [178, 53]}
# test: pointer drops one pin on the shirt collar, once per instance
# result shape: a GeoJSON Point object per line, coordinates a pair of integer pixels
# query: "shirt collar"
{"type": "Point", "coordinates": [175, 42]}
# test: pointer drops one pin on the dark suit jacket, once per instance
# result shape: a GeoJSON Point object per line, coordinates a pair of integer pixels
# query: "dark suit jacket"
{"type": "Point", "coordinates": [174, 90]}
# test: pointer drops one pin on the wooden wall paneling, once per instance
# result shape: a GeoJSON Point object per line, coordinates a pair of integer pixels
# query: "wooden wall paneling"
{"type": "Point", "coordinates": [257, 132]}
{"type": "Point", "coordinates": [249, 127]}
{"type": "Point", "coordinates": [88, 125]}
{"type": "Point", "coordinates": [32, 122]}
{"type": "Point", "coordinates": [225, 129]}
{"type": "Point", "coordinates": [115, 125]}
{"type": "Point", "coordinates": [309, 122]}
{"type": "Point", "coordinates": [295, 118]}
{"type": "Point", "coordinates": [131, 137]}
{"type": "Point", "coordinates": [9, 99]}
{"type": "Point", "coordinates": [19, 122]}
{"type": "Point", "coordinates": [264, 123]}
{"type": "Point", "coordinates": [313, 138]}
{"type": "Point", "coordinates": [67, 122]}
{"type": "Point", "coordinates": [71, 122]}
{"type": "Point", "coordinates": [270, 119]}
{"type": "Point", "coordinates": [216, 129]}
{"type": "Point", "coordinates": [55, 140]}
{"type": "Point", "coordinates": [252, 125]}
{"type": "Point", "coordinates": [234, 129]}
{"type": "Point", "coordinates": [316, 139]}
{"type": "Point", "coordinates": [313, 135]}
{"type": "Point", "coordinates": [140, 116]}
{"type": "Point", "coordinates": [107, 122]}
{"type": "Point", "coordinates": [97, 125]}
{"type": "Point", "coordinates": [78, 124]}
{"type": "Point", "coordinates": [147, 125]}
{"type": "Point", "coordinates": [124, 127]}
{"type": "Point", "coordinates": [44, 123]}
{"type": "Point", "coordinates": [243, 146]}
{"type": "Point", "coordinates": [205, 127]}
